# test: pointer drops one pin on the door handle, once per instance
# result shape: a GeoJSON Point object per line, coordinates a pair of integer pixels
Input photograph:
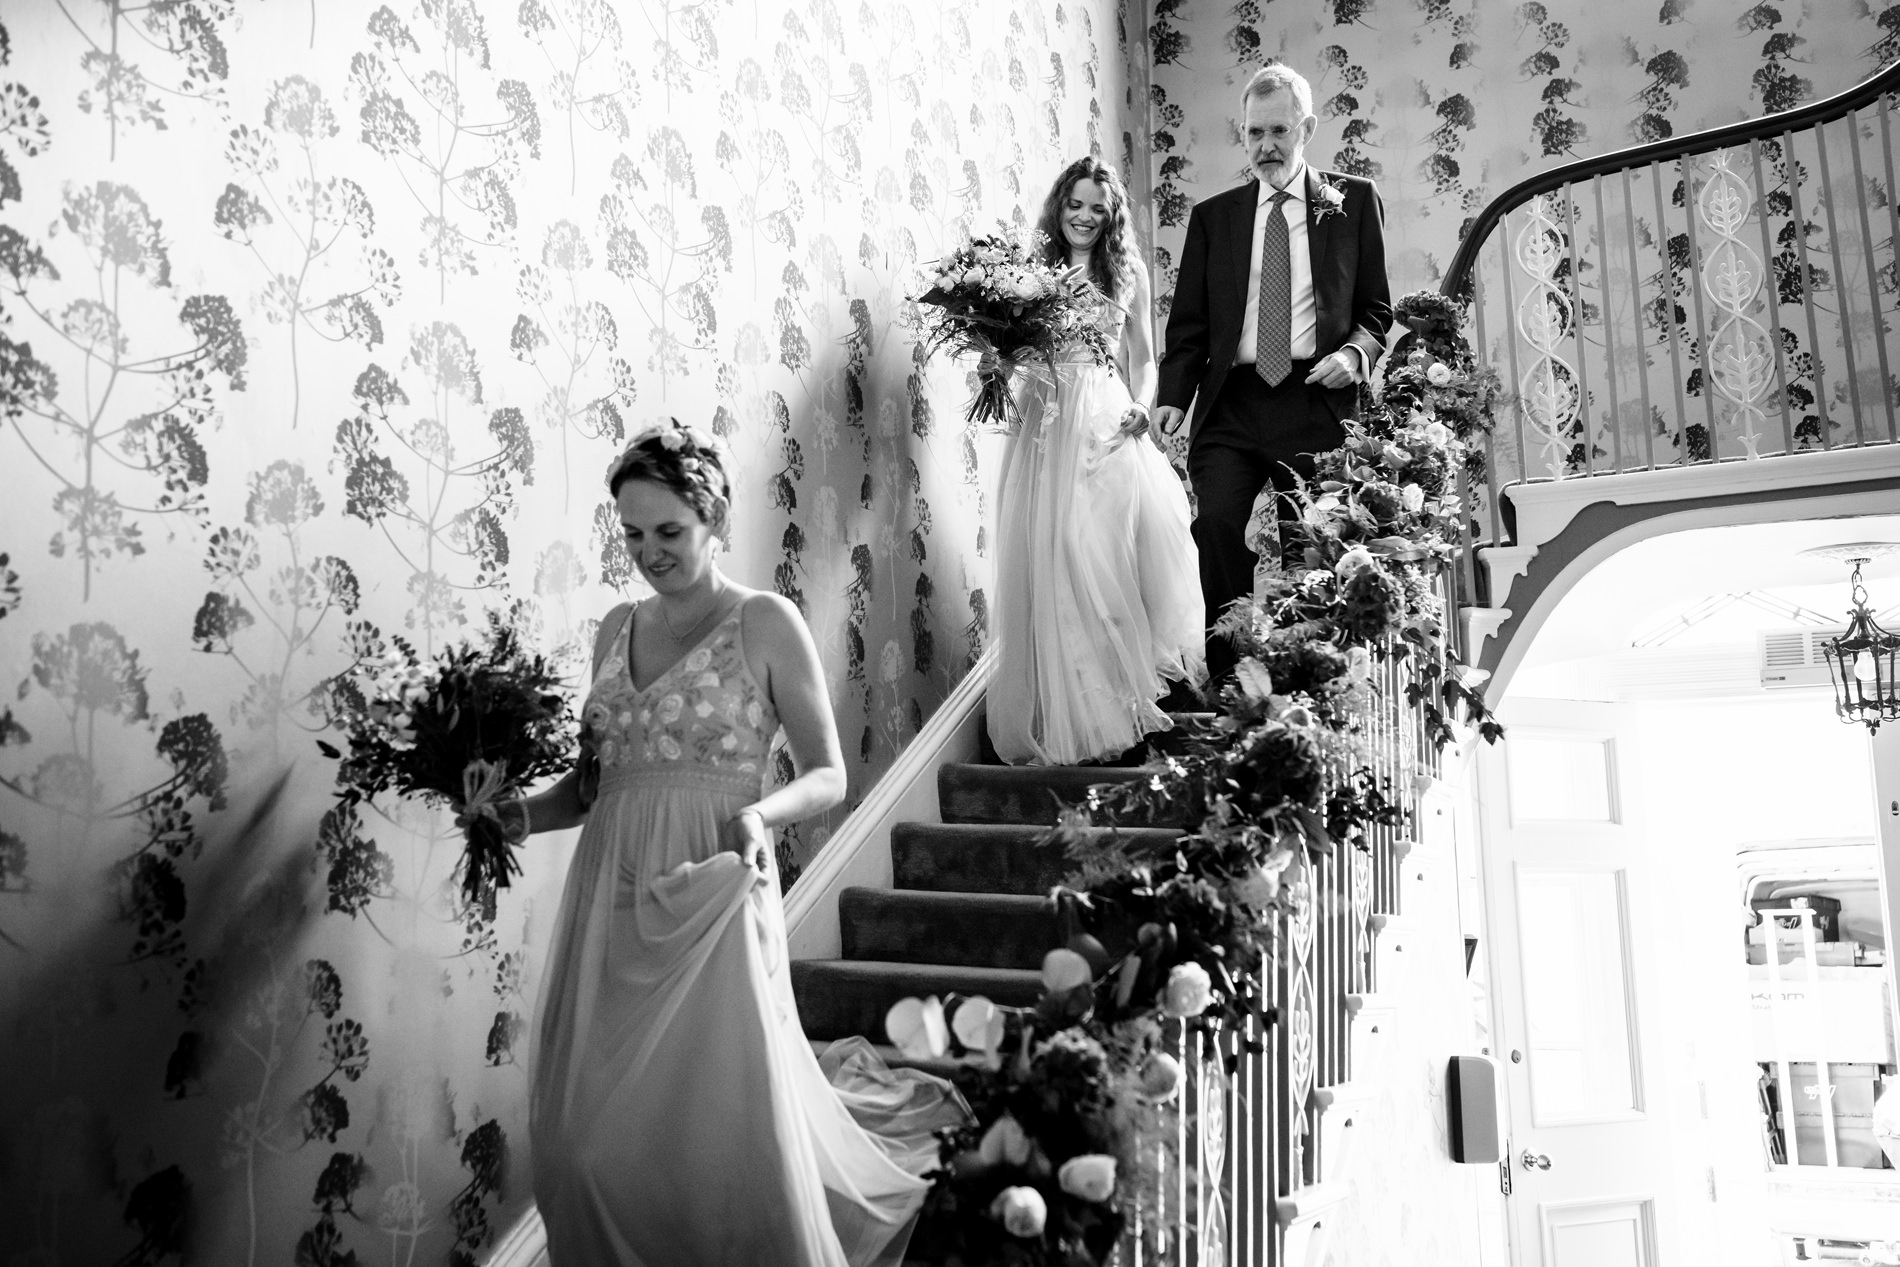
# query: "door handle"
{"type": "Point", "coordinates": [1535, 1161]}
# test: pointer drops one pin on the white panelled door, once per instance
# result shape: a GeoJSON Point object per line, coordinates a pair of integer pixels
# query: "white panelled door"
{"type": "Point", "coordinates": [1568, 904]}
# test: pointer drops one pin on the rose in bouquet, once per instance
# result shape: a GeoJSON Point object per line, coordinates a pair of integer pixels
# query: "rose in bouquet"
{"type": "Point", "coordinates": [469, 728]}
{"type": "Point", "coordinates": [1068, 1115]}
{"type": "Point", "coordinates": [999, 298]}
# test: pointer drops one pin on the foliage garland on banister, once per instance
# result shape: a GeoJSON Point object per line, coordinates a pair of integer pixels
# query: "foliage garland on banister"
{"type": "Point", "coordinates": [1073, 1099]}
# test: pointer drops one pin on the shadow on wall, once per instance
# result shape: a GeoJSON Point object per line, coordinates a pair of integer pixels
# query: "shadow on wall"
{"type": "Point", "coordinates": [98, 1132]}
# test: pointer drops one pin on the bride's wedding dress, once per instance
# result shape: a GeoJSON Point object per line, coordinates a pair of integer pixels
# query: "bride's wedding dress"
{"type": "Point", "coordinates": [678, 1115]}
{"type": "Point", "coordinates": [1098, 596]}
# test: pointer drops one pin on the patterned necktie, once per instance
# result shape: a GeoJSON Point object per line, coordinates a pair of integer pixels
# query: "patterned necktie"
{"type": "Point", "coordinates": [1273, 326]}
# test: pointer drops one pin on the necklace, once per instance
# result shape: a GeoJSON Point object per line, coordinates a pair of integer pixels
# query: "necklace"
{"type": "Point", "coordinates": [693, 629]}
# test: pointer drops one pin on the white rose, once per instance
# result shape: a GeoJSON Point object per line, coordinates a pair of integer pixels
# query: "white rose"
{"type": "Point", "coordinates": [1022, 1211]}
{"type": "Point", "coordinates": [1438, 433]}
{"type": "Point", "coordinates": [1161, 1077]}
{"type": "Point", "coordinates": [1090, 1176]}
{"type": "Point", "coordinates": [1297, 715]}
{"type": "Point", "coordinates": [1063, 969]}
{"type": "Point", "coordinates": [670, 708]}
{"type": "Point", "coordinates": [1188, 992]}
{"type": "Point", "coordinates": [973, 277]}
{"type": "Point", "coordinates": [1412, 497]}
{"type": "Point", "coordinates": [1258, 888]}
{"type": "Point", "coordinates": [698, 660]}
{"type": "Point", "coordinates": [669, 747]}
{"type": "Point", "coordinates": [1352, 563]}
{"type": "Point", "coordinates": [1439, 374]}
{"type": "Point", "coordinates": [1005, 1141]}
{"type": "Point", "coordinates": [1359, 664]}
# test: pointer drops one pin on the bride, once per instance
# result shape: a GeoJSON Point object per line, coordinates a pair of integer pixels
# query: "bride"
{"type": "Point", "coordinates": [1098, 600]}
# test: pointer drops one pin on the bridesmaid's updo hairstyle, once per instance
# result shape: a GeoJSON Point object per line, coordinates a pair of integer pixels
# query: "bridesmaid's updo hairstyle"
{"type": "Point", "coordinates": [1112, 260]}
{"type": "Point", "coordinates": [682, 459]}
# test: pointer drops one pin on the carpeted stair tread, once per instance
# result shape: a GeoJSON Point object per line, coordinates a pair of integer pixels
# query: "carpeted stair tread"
{"type": "Point", "coordinates": [968, 793]}
{"type": "Point", "coordinates": [841, 997]}
{"type": "Point", "coordinates": [984, 930]}
{"type": "Point", "coordinates": [989, 857]}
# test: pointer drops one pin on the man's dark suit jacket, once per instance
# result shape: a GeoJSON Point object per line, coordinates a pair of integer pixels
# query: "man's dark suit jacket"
{"type": "Point", "coordinates": [1352, 300]}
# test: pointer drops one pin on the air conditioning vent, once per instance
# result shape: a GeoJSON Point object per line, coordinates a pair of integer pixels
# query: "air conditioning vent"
{"type": "Point", "coordinates": [1794, 657]}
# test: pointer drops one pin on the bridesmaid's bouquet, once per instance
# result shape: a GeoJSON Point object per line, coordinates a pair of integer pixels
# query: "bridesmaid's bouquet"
{"type": "Point", "coordinates": [469, 728]}
{"type": "Point", "coordinates": [995, 297]}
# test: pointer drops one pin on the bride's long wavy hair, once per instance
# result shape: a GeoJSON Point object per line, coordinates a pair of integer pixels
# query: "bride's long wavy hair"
{"type": "Point", "coordinates": [1113, 259]}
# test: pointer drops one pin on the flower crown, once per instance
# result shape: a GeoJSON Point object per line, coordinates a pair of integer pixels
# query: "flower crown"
{"type": "Point", "coordinates": [699, 456]}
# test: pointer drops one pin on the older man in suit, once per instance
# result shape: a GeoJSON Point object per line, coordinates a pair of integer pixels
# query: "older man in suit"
{"type": "Point", "coordinates": [1280, 312]}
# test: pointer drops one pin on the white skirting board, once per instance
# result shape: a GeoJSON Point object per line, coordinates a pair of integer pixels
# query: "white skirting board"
{"type": "Point", "coordinates": [858, 853]}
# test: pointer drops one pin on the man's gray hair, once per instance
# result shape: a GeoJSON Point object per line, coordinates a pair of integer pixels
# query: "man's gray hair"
{"type": "Point", "coordinates": [1278, 77]}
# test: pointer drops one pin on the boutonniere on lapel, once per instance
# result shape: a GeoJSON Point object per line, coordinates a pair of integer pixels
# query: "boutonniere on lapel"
{"type": "Point", "coordinates": [1328, 199]}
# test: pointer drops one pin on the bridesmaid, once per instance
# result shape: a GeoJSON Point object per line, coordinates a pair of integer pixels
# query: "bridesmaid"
{"type": "Point", "coordinates": [678, 1114]}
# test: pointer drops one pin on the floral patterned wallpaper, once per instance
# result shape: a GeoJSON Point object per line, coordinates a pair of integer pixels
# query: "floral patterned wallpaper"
{"type": "Point", "coordinates": [319, 323]}
{"type": "Point", "coordinates": [1447, 103]}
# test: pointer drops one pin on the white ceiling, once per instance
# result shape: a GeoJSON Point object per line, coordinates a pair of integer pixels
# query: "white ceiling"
{"type": "Point", "coordinates": [1652, 583]}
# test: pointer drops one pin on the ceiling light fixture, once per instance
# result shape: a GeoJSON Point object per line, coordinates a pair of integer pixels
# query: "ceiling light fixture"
{"type": "Point", "coordinates": [1864, 660]}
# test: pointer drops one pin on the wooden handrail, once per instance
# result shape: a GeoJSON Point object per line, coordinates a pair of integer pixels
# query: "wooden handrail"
{"type": "Point", "coordinates": [1458, 277]}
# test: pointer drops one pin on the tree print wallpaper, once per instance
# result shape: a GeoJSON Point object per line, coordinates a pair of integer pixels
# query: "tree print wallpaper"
{"type": "Point", "coordinates": [1448, 103]}
{"type": "Point", "coordinates": [319, 324]}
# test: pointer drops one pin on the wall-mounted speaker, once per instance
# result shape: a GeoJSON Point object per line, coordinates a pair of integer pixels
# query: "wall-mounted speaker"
{"type": "Point", "coordinates": [1471, 1103]}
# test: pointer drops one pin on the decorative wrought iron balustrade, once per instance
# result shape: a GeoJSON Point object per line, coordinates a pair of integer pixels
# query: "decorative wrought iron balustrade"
{"type": "Point", "coordinates": [1249, 1141]}
{"type": "Point", "coordinates": [1722, 296]}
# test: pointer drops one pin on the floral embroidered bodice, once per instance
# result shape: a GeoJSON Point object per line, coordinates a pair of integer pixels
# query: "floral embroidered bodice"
{"type": "Point", "coordinates": [707, 710]}
{"type": "Point", "coordinates": [1111, 317]}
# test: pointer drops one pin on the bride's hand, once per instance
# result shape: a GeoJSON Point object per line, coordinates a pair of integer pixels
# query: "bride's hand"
{"type": "Point", "coordinates": [745, 834]}
{"type": "Point", "coordinates": [1134, 422]}
{"type": "Point", "coordinates": [1073, 276]}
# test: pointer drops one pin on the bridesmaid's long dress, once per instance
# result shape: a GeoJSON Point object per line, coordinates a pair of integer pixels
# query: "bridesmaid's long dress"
{"type": "Point", "coordinates": [678, 1114]}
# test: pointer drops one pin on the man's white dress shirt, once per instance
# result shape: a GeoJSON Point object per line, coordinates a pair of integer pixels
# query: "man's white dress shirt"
{"type": "Point", "coordinates": [1299, 261]}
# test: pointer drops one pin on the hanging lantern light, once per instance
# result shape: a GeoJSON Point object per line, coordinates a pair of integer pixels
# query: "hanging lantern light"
{"type": "Point", "coordinates": [1862, 662]}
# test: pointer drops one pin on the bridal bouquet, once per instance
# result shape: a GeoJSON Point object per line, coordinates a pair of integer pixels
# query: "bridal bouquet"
{"type": "Point", "coordinates": [470, 728]}
{"type": "Point", "coordinates": [995, 296]}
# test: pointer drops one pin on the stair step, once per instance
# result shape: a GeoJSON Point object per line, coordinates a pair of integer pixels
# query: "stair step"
{"type": "Point", "coordinates": [841, 997]}
{"type": "Point", "coordinates": [1175, 741]}
{"type": "Point", "coordinates": [983, 930]}
{"type": "Point", "coordinates": [942, 1066]}
{"type": "Point", "coordinates": [989, 857]}
{"type": "Point", "coordinates": [1022, 794]}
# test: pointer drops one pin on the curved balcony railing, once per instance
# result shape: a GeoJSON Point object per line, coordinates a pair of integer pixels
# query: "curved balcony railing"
{"type": "Point", "coordinates": [1721, 296]}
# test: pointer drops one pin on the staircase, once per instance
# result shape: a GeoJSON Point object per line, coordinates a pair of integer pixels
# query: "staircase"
{"type": "Point", "coordinates": [1260, 1160]}
{"type": "Point", "coordinates": [1703, 322]}
{"type": "Point", "coordinates": [968, 912]}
